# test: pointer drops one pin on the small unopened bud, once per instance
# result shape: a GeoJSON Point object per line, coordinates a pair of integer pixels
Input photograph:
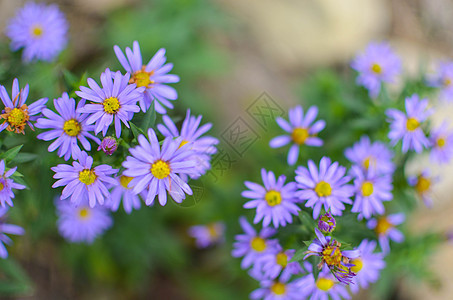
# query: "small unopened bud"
{"type": "Point", "coordinates": [326, 223]}
{"type": "Point", "coordinates": [108, 145]}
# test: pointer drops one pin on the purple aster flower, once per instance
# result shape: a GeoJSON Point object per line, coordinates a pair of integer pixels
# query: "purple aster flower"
{"type": "Point", "coordinates": [16, 113]}
{"type": "Point", "coordinates": [300, 131]}
{"type": "Point", "coordinates": [423, 186]}
{"type": "Point", "coordinates": [208, 235]}
{"type": "Point", "coordinates": [441, 140]}
{"type": "Point", "coordinates": [40, 29]}
{"type": "Point", "coordinates": [322, 288]}
{"type": "Point", "coordinates": [326, 186]}
{"type": "Point", "coordinates": [252, 245]}
{"type": "Point", "coordinates": [367, 266]}
{"type": "Point", "coordinates": [276, 264]}
{"type": "Point", "coordinates": [80, 223]}
{"type": "Point", "coordinates": [371, 155]}
{"type": "Point", "coordinates": [7, 185]}
{"type": "Point", "coordinates": [83, 180]}
{"type": "Point", "coordinates": [67, 127]}
{"type": "Point", "coordinates": [153, 76]}
{"type": "Point", "coordinates": [109, 145]}
{"type": "Point", "coordinates": [376, 65]}
{"type": "Point", "coordinates": [331, 255]}
{"type": "Point", "coordinates": [122, 191]}
{"type": "Point", "coordinates": [326, 223]}
{"type": "Point", "coordinates": [191, 133]}
{"type": "Point", "coordinates": [274, 202]}
{"type": "Point", "coordinates": [7, 229]}
{"type": "Point", "coordinates": [158, 169]}
{"type": "Point", "coordinates": [407, 126]}
{"type": "Point", "coordinates": [370, 191]}
{"type": "Point", "coordinates": [117, 100]}
{"type": "Point", "coordinates": [277, 290]}
{"type": "Point", "coordinates": [384, 227]}
{"type": "Point", "coordinates": [443, 79]}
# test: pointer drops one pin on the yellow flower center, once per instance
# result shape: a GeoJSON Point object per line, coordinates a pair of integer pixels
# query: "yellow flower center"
{"type": "Point", "coordinates": [299, 135]}
{"type": "Point", "coordinates": [278, 288]}
{"type": "Point", "coordinates": [125, 180]}
{"type": "Point", "coordinates": [160, 169]}
{"type": "Point", "coordinates": [87, 176]}
{"type": "Point", "coordinates": [423, 184]}
{"type": "Point", "coordinates": [447, 82]}
{"type": "Point", "coordinates": [332, 255]}
{"type": "Point", "coordinates": [383, 225]}
{"type": "Point", "coordinates": [213, 231]}
{"type": "Point", "coordinates": [441, 142]}
{"type": "Point", "coordinates": [323, 189]}
{"type": "Point", "coordinates": [358, 265]}
{"type": "Point", "coordinates": [17, 117]}
{"type": "Point", "coordinates": [324, 284]}
{"type": "Point", "coordinates": [111, 105]}
{"type": "Point", "coordinates": [183, 143]}
{"type": "Point", "coordinates": [71, 127]}
{"type": "Point", "coordinates": [142, 78]}
{"type": "Point", "coordinates": [282, 259]}
{"type": "Point", "coordinates": [370, 160]}
{"type": "Point", "coordinates": [37, 31]}
{"type": "Point", "coordinates": [376, 68]}
{"type": "Point", "coordinates": [258, 244]}
{"type": "Point", "coordinates": [84, 213]}
{"type": "Point", "coordinates": [367, 189]}
{"type": "Point", "coordinates": [1, 186]}
{"type": "Point", "coordinates": [412, 124]}
{"type": "Point", "coordinates": [273, 198]}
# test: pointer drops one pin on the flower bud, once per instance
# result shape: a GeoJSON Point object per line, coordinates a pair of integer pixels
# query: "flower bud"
{"type": "Point", "coordinates": [326, 223]}
{"type": "Point", "coordinates": [108, 145]}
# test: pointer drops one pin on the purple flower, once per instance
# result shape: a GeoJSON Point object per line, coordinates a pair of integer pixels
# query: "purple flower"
{"type": "Point", "coordinates": [7, 229]}
{"type": "Point", "coordinates": [384, 227]}
{"type": "Point", "coordinates": [83, 180]}
{"type": "Point", "coordinates": [16, 113]}
{"type": "Point", "coordinates": [153, 76]}
{"type": "Point", "coordinates": [157, 169]}
{"type": "Point", "coordinates": [376, 65]}
{"type": "Point", "coordinates": [300, 131]}
{"type": "Point", "coordinates": [423, 186]}
{"type": "Point", "coordinates": [252, 245]}
{"type": "Point", "coordinates": [122, 191]}
{"type": "Point", "coordinates": [109, 145]}
{"type": "Point", "coordinates": [443, 79]}
{"type": "Point", "coordinates": [191, 133]}
{"type": "Point", "coordinates": [441, 140]}
{"type": "Point", "coordinates": [208, 235]}
{"type": "Point", "coordinates": [370, 191]}
{"type": "Point", "coordinates": [67, 128]}
{"type": "Point", "coordinates": [7, 185]}
{"type": "Point", "coordinates": [274, 202]}
{"type": "Point", "coordinates": [326, 186]}
{"type": "Point", "coordinates": [326, 223]}
{"type": "Point", "coordinates": [367, 266]}
{"type": "Point", "coordinates": [276, 264]}
{"type": "Point", "coordinates": [117, 100]}
{"type": "Point", "coordinates": [407, 126]}
{"type": "Point", "coordinates": [322, 288]}
{"type": "Point", "coordinates": [371, 155]}
{"type": "Point", "coordinates": [82, 223]}
{"type": "Point", "coordinates": [40, 29]}
{"type": "Point", "coordinates": [276, 290]}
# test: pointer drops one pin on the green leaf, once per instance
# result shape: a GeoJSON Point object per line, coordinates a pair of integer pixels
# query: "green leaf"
{"type": "Point", "coordinates": [9, 155]}
{"type": "Point", "coordinates": [149, 118]}
{"type": "Point", "coordinates": [14, 281]}
{"type": "Point", "coordinates": [136, 131]}
{"type": "Point", "coordinates": [299, 255]}
{"type": "Point", "coordinates": [24, 157]}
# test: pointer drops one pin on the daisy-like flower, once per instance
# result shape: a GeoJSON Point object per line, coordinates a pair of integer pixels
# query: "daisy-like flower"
{"type": "Point", "coordinates": [7, 185]}
{"type": "Point", "coordinates": [326, 223]}
{"type": "Point", "coordinates": [442, 144]}
{"type": "Point", "coordinates": [202, 146]}
{"type": "Point", "coordinates": [423, 186]}
{"type": "Point", "coordinates": [276, 264]}
{"type": "Point", "coordinates": [368, 155]}
{"type": "Point", "coordinates": [153, 76]}
{"type": "Point", "coordinates": [322, 288]}
{"type": "Point", "coordinates": [82, 223]}
{"type": "Point", "coordinates": [82, 180]}
{"type": "Point", "coordinates": [277, 290]}
{"type": "Point", "coordinates": [367, 266]}
{"type": "Point", "coordinates": [370, 191]}
{"type": "Point", "coordinates": [157, 170]}
{"type": "Point", "coordinates": [407, 126]}
{"type": "Point", "coordinates": [331, 255]}
{"type": "Point", "coordinates": [122, 191]}
{"type": "Point", "coordinates": [208, 235]}
{"type": "Point", "coordinates": [17, 114]}
{"type": "Point", "coordinates": [443, 79]}
{"type": "Point", "coordinates": [384, 227]}
{"type": "Point", "coordinates": [300, 131]}
{"type": "Point", "coordinates": [67, 127]}
{"type": "Point", "coordinates": [252, 245]}
{"type": "Point", "coordinates": [7, 229]}
{"type": "Point", "coordinates": [326, 186]}
{"type": "Point", "coordinates": [109, 145]}
{"type": "Point", "coordinates": [275, 202]}
{"type": "Point", "coordinates": [115, 101]}
{"type": "Point", "coordinates": [40, 29]}
{"type": "Point", "coordinates": [376, 65]}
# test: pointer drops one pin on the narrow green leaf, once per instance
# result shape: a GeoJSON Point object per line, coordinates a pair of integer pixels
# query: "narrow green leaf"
{"type": "Point", "coordinates": [11, 153]}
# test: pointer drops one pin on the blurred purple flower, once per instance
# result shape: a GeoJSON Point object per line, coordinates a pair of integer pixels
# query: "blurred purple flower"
{"type": "Point", "coordinates": [7, 229]}
{"type": "Point", "coordinates": [7, 185]}
{"type": "Point", "coordinates": [443, 79]}
{"type": "Point", "coordinates": [277, 290]}
{"type": "Point", "coordinates": [441, 139]}
{"type": "Point", "coordinates": [423, 186]}
{"type": "Point", "coordinates": [277, 264]}
{"type": "Point", "coordinates": [384, 227]}
{"type": "Point", "coordinates": [123, 191]}
{"type": "Point", "coordinates": [208, 235]}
